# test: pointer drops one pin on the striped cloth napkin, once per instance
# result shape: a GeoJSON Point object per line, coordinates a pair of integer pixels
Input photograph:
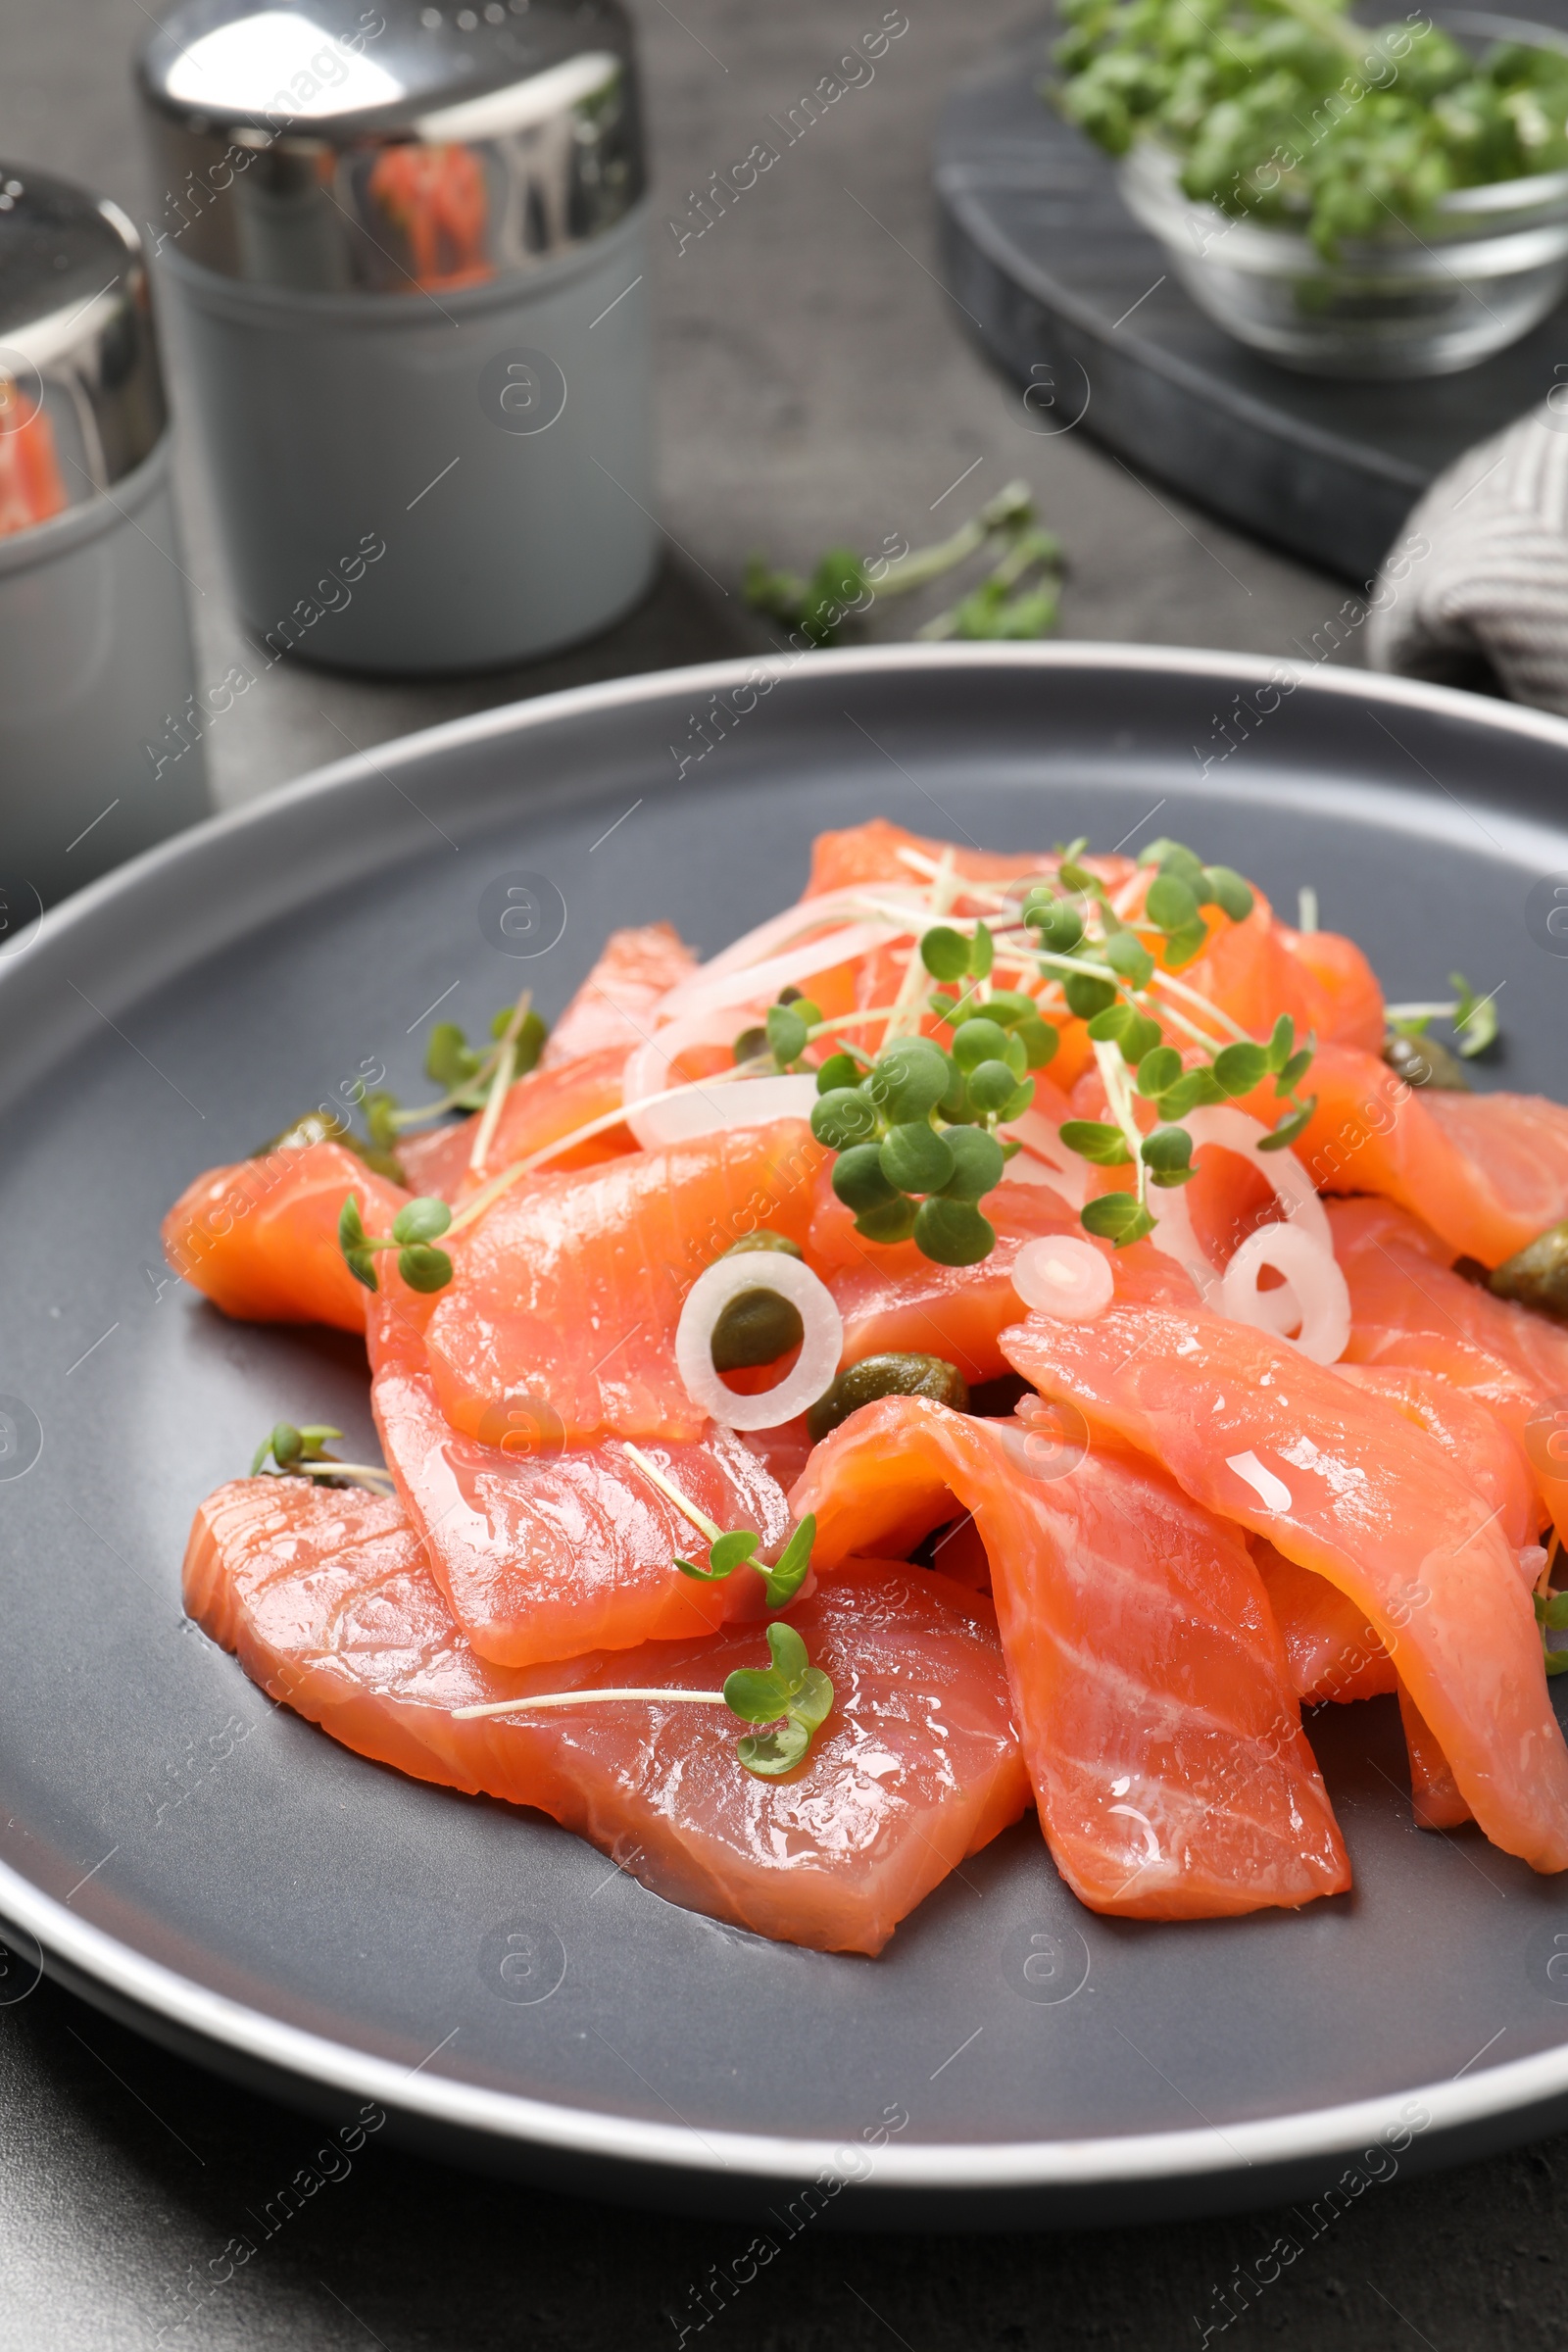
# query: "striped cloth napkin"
{"type": "Point", "coordinates": [1476, 592]}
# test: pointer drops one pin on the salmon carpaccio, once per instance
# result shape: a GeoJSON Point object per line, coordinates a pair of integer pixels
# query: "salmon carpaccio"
{"type": "Point", "coordinates": [1163, 1737]}
{"type": "Point", "coordinates": [329, 1604]}
{"type": "Point", "coordinates": [544, 1551]}
{"type": "Point", "coordinates": [260, 1239]}
{"type": "Point", "coordinates": [569, 1290]}
{"type": "Point", "coordinates": [1342, 1483]}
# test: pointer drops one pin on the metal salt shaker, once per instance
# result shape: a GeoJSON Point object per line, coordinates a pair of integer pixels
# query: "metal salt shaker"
{"type": "Point", "coordinates": [405, 250]}
{"type": "Point", "coordinates": [95, 651]}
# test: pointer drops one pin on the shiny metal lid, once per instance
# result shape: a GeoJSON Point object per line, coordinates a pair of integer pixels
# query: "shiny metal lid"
{"type": "Point", "coordinates": [394, 148]}
{"type": "Point", "coordinates": [82, 396]}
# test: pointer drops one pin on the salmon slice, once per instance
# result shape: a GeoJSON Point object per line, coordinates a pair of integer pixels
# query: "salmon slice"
{"type": "Point", "coordinates": [869, 852]}
{"type": "Point", "coordinates": [1487, 1172]}
{"type": "Point", "coordinates": [1434, 1797]}
{"type": "Point", "coordinates": [569, 1288]}
{"type": "Point", "coordinates": [544, 1553]}
{"type": "Point", "coordinates": [1353, 992]}
{"type": "Point", "coordinates": [615, 1003]}
{"type": "Point", "coordinates": [1256, 969]}
{"type": "Point", "coordinates": [539, 1109]}
{"type": "Point", "coordinates": [261, 1238]}
{"type": "Point", "coordinates": [1163, 1737]}
{"type": "Point", "coordinates": [1332, 1651]}
{"type": "Point", "coordinates": [330, 1605]}
{"type": "Point", "coordinates": [1342, 1484]}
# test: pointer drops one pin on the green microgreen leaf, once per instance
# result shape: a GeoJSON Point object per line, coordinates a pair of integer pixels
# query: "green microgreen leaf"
{"type": "Point", "coordinates": [789, 1572]}
{"type": "Point", "coordinates": [982, 952]}
{"type": "Point", "coordinates": [979, 1161]}
{"type": "Point", "coordinates": [1282, 1043]}
{"type": "Point", "coordinates": [424, 1269]}
{"type": "Point", "coordinates": [786, 1034]}
{"type": "Point", "coordinates": [914, 1159]}
{"type": "Point", "coordinates": [1239, 1068]}
{"type": "Point", "coordinates": [354, 1244]}
{"type": "Point", "coordinates": [1181, 947]}
{"type": "Point", "coordinates": [892, 1221]}
{"type": "Point", "coordinates": [953, 1232]}
{"type": "Point", "coordinates": [791, 1692]}
{"type": "Point", "coordinates": [1117, 1218]}
{"type": "Point", "coordinates": [1058, 922]}
{"type": "Point", "coordinates": [1229, 892]}
{"type": "Point", "coordinates": [449, 1060]}
{"type": "Point", "coordinates": [1475, 1018]}
{"type": "Point", "coordinates": [1086, 996]}
{"type": "Point", "coordinates": [732, 1550]}
{"type": "Point", "coordinates": [858, 1179]}
{"type": "Point", "coordinates": [1171, 905]}
{"type": "Point", "coordinates": [1193, 1088]}
{"type": "Point", "coordinates": [423, 1220]}
{"type": "Point", "coordinates": [1127, 956]}
{"type": "Point", "coordinates": [1158, 1070]}
{"type": "Point", "coordinates": [944, 952]}
{"type": "Point", "coordinates": [1288, 1129]}
{"type": "Point", "coordinates": [1095, 1139]}
{"type": "Point", "coordinates": [843, 1116]}
{"type": "Point", "coordinates": [908, 1080]}
{"type": "Point", "coordinates": [1294, 1071]}
{"type": "Point", "coordinates": [1168, 1151]}
{"type": "Point", "coordinates": [1039, 1040]}
{"type": "Point", "coordinates": [839, 1070]}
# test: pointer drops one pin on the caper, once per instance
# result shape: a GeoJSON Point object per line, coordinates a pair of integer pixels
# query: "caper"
{"type": "Point", "coordinates": [1422, 1061]}
{"type": "Point", "coordinates": [765, 1239]}
{"type": "Point", "coordinates": [1537, 1274]}
{"type": "Point", "coordinates": [887, 1375]}
{"type": "Point", "coordinates": [754, 1328]}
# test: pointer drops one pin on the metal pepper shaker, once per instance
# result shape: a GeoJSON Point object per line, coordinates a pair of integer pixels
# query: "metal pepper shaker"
{"type": "Point", "coordinates": [95, 648]}
{"type": "Point", "coordinates": [405, 250]}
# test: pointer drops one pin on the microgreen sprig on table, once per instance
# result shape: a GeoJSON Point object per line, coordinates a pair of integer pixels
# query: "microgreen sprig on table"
{"type": "Point", "coordinates": [1473, 1018]}
{"type": "Point", "coordinates": [842, 586]}
{"type": "Point", "coordinates": [301, 1453]}
{"type": "Point", "coordinates": [789, 1692]}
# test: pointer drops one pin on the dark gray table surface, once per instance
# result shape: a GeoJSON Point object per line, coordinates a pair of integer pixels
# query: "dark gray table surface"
{"type": "Point", "coordinates": [814, 384]}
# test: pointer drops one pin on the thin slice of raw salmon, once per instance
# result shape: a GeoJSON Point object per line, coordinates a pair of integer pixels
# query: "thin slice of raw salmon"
{"type": "Point", "coordinates": [615, 1003]}
{"type": "Point", "coordinates": [545, 1552]}
{"type": "Point", "coordinates": [330, 1606]}
{"type": "Point", "coordinates": [1161, 1733]}
{"type": "Point", "coordinates": [539, 1109]}
{"type": "Point", "coordinates": [1333, 1653]}
{"type": "Point", "coordinates": [1487, 1172]}
{"type": "Point", "coordinates": [1342, 1483]}
{"type": "Point", "coordinates": [261, 1238]}
{"type": "Point", "coordinates": [569, 1288]}
{"type": "Point", "coordinates": [1435, 1796]}
{"type": "Point", "coordinates": [869, 852]}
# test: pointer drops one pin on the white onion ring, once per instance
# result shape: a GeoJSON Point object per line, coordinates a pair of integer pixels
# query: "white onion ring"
{"type": "Point", "coordinates": [756, 946]}
{"type": "Point", "coordinates": [1063, 1277]}
{"type": "Point", "coordinates": [815, 1367]}
{"type": "Point", "coordinates": [713, 1109]}
{"type": "Point", "coordinates": [759, 983]}
{"type": "Point", "coordinates": [1232, 1130]}
{"type": "Point", "coordinates": [1321, 1296]}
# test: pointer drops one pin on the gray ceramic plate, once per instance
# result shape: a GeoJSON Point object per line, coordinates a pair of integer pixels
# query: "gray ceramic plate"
{"type": "Point", "coordinates": [226, 1877]}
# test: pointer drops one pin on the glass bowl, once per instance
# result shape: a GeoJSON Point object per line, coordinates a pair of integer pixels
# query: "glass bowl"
{"type": "Point", "coordinates": [1485, 271]}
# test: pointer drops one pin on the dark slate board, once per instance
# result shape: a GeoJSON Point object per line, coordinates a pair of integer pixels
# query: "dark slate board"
{"type": "Point", "coordinates": [1074, 299]}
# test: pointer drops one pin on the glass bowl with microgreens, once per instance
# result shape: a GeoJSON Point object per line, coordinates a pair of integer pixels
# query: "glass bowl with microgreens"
{"type": "Point", "coordinates": [1350, 200]}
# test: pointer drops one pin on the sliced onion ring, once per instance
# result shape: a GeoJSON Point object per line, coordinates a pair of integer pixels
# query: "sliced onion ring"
{"type": "Point", "coordinates": [713, 1109]}
{"type": "Point", "coordinates": [1232, 1130]}
{"type": "Point", "coordinates": [1322, 1299]}
{"type": "Point", "coordinates": [1064, 1277]}
{"type": "Point", "coordinates": [796, 922]}
{"type": "Point", "coordinates": [815, 1366]}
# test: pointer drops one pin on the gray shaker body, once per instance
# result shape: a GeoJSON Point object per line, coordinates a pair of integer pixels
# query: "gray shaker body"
{"type": "Point", "coordinates": [97, 675]}
{"type": "Point", "coordinates": [392, 499]}
{"type": "Point", "coordinates": [404, 251]}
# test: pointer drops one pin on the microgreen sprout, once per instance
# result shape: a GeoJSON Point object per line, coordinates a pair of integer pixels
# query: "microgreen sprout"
{"type": "Point", "coordinates": [789, 1694]}
{"type": "Point", "coordinates": [1116, 976]}
{"type": "Point", "coordinates": [842, 586]}
{"type": "Point", "coordinates": [301, 1453]}
{"type": "Point", "coordinates": [1552, 1615]}
{"type": "Point", "coordinates": [414, 1228]}
{"type": "Point", "coordinates": [1473, 1018]}
{"type": "Point", "coordinates": [738, 1548]}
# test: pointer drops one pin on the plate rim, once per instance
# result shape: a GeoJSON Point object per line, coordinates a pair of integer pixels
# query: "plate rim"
{"type": "Point", "coordinates": [1507, 2093]}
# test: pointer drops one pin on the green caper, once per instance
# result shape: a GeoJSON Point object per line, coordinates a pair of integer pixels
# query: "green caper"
{"type": "Point", "coordinates": [765, 1239]}
{"type": "Point", "coordinates": [754, 1328]}
{"type": "Point", "coordinates": [1537, 1274]}
{"type": "Point", "coordinates": [887, 1375]}
{"type": "Point", "coordinates": [1422, 1061]}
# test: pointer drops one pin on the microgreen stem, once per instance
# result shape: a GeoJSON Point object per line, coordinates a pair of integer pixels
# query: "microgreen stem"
{"type": "Point", "coordinates": [587, 1698]}
{"type": "Point", "coordinates": [364, 1474]}
{"type": "Point", "coordinates": [1419, 1013]}
{"type": "Point", "coordinates": [505, 1064]}
{"type": "Point", "coordinates": [687, 1509]}
{"type": "Point", "coordinates": [904, 1018]}
{"type": "Point", "coordinates": [1118, 1086]}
